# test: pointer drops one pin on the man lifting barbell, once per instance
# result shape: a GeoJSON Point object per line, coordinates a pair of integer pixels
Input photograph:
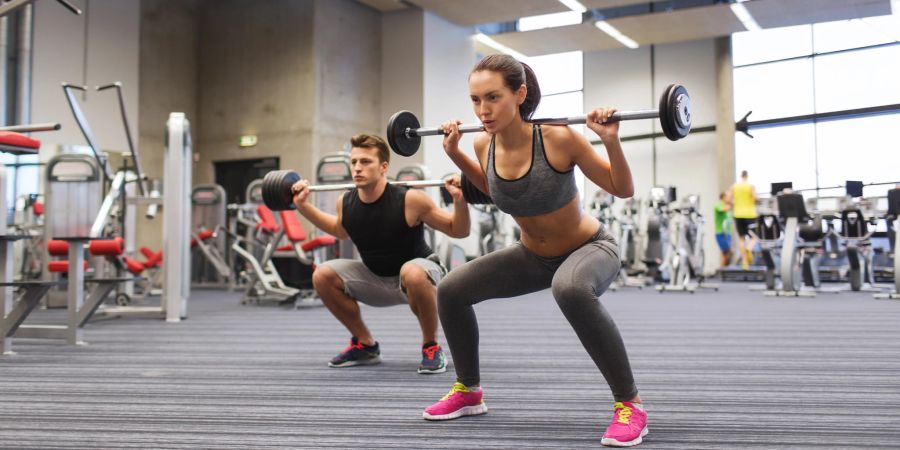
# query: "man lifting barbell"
{"type": "Point", "coordinates": [384, 221]}
{"type": "Point", "coordinates": [528, 170]}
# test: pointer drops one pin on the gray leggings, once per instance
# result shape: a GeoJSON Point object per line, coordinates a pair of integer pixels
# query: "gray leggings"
{"type": "Point", "coordinates": [576, 279]}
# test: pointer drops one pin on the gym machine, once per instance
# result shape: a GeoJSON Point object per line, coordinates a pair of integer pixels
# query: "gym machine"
{"type": "Point", "coordinates": [686, 254]}
{"type": "Point", "coordinates": [893, 219]}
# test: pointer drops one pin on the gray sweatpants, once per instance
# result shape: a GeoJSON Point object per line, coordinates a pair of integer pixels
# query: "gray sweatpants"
{"type": "Point", "coordinates": [577, 280]}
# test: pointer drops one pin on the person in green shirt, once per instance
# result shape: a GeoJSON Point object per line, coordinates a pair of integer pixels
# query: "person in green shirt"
{"type": "Point", "coordinates": [723, 228]}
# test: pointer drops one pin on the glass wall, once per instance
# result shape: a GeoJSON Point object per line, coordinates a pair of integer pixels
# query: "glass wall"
{"type": "Point", "coordinates": [561, 78]}
{"type": "Point", "coordinates": [814, 69]}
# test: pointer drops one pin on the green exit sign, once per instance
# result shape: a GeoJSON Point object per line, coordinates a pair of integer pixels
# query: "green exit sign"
{"type": "Point", "coordinates": [247, 140]}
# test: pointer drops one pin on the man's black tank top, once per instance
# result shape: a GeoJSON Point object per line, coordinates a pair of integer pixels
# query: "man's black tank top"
{"type": "Point", "coordinates": [380, 232]}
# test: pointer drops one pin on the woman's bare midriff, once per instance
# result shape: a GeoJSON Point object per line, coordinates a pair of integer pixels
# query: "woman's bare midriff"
{"type": "Point", "coordinates": [559, 232]}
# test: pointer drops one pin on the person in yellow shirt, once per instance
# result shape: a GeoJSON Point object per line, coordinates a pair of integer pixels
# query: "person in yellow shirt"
{"type": "Point", "coordinates": [742, 197]}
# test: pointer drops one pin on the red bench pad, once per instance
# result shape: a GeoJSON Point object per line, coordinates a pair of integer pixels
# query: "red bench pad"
{"type": "Point", "coordinates": [266, 219]}
{"type": "Point", "coordinates": [61, 266]}
{"type": "Point", "coordinates": [12, 139]}
{"type": "Point", "coordinates": [319, 242]}
{"type": "Point", "coordinates": [293, 229]}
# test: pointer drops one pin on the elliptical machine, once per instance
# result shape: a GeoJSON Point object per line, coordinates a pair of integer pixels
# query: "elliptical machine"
{"type": "Point", "coordinates": [623, 230]}
{"type": "Point", "coordinates": [798, 264]}
{"type": "Point", "coordinates": [856, 236]}
{"type": "Point", "coordinates": [769, 234]}
{"type": "Point", "coordinates": [686, 256]}
{"type": "Point", "coordinates": [656, 250]}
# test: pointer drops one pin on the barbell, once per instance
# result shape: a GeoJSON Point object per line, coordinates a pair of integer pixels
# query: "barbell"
{"type": "Point", "coordinates": [404, 134]}
{"type": "Point", "coordinates": [278, 196]}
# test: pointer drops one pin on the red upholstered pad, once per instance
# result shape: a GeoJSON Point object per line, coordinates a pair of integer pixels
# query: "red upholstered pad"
{"type": "Point", "coordinates": [204, 235]}
{"type": "Point", "coordinates": [107, 247]}
{"type": "Point", "coordinates": [58, 248]}
{"type": "Point", "coordinates": [153, 259]}
{"type": "Point", "coordinates": [38, 208]}
{"type": "Point", "coordinates": [266, 219]}
{"type": "Point", "coordinates": [61, 266]}
{"type": "Point", "coordinates": [318, 242]}
{"type": "Point", "coordinates": [285, 248]}
{"type": "Point", "coordinates": [148, 254]}
{"type": "Point", "coordinates": [133, 266]}
{"type": "Point", "coordinates": [292, 226]}
{"type": "Point", "coordinates": [18, 140]}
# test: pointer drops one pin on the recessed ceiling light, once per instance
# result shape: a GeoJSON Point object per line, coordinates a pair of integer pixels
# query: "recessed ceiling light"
{"type": "Point", "coordinates": [605, 27]}
{"type": "Point", "coordinates": [744, 16]}
{"type": "Point", "coordinates": [574, 5]}
{"type": "Point", "coordinates": [486, 40]}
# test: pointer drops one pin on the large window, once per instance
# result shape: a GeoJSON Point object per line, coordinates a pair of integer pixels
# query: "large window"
{"type": "Point", "coordinates": [811, 70]}
{"type": "Point", "coordinates": [561, 78]}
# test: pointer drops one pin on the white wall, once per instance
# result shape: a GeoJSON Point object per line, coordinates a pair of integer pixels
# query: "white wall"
{"type": "Point", "coordinates": [622, 78]}
{"type": "Point", "coordinates": [449, 55]}
{"type": "Point", "coordinates": [99, 47]}
{"type": "Point", "coordinates": [402, 72]}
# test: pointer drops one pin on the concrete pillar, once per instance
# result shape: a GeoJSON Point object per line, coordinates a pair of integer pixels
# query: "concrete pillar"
{"type": "Point", "coordinates": [724, 113]}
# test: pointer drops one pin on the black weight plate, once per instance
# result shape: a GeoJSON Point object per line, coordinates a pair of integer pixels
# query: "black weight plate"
{"type": "Point", "coordinates": [276, 189]}
{"type": "Point", "coordinates": [400, 143]}
{"type": "Point", "coordinates": [680, 111]}
{"type": "Point", "coordinates": [266, 192]}
{"type": "Point", "coordinates": [665, 117]}
{"type": "Point", "coordinates": [472, 194]}
{"type": "Point", "coordinates": [269, 195]}
{"type": "Point", "coordinates": [466, 186]}
{"type": "Point", "coordinates": [446, 198]}
{"type": "Point", "coordinates": [289, 179]}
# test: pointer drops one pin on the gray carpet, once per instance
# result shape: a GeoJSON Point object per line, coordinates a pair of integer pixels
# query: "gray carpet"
{"type": "Point", "coordinates": [731, 369]}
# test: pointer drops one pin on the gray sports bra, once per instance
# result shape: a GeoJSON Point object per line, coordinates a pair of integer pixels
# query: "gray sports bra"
{"type": "Point", "coordinates": [541, 190]}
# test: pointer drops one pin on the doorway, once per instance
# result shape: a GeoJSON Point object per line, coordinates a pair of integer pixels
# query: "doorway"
{"type": "Point", "coordinates": [236, 175]}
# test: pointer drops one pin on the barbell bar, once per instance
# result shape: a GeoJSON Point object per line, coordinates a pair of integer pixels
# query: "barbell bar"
{"type": "Point", "coordinates": [278, 196]}
{"type": "Point", "coordinates": [404, 133]}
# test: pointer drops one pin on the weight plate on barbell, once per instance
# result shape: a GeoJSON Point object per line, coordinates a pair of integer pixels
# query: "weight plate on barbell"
{"type": "Point", "coordinates": [665, 113]}
{"type": "Point", "coordinates": [269, 196]}
{"type": "Point", "coordinates": [472, 194]}
{"type": "Point", "coordinates": [276, 189]}
{"type": "Point", "coordinates": [402, 143]}
{"type": "Point", "coordinates": [680, 102]}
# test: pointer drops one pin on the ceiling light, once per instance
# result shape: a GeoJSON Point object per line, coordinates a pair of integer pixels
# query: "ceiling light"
{"type": "Point", "coordinates": [574, 5]}
{"type": "Point", "coordinates": [484, 39]}
{"type": "Point", "coordinates": [744, 16]}
{"type": "Point", "coordinates": [549, 21]}
{"type": "Point", "coordinates": [605, 27]}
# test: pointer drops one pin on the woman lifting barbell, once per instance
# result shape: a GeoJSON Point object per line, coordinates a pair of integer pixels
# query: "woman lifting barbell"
{"type": "Point", "coordinates": [528, 169]}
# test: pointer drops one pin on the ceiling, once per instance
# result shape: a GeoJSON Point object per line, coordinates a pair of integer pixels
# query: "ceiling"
{"type": "Point", "coordinates": [685, 24]}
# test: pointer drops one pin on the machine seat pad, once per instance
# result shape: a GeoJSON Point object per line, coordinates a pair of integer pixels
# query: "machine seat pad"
{"type": "Point", "coordinates": [11, 139]}
{"type": "Point", "coordinates": [292, 226]}
{"type": "Point", "coordinates": [61, 266]}
{"type": "Point", "coordinates": [266, 219]}
{"type": "Point", "coordinates": [319, 242]}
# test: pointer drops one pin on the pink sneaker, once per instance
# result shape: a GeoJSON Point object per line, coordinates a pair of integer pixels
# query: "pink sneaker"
{"type": "Point", "coordinates": [460, 401]}
{"type": "Point", "coordinates": [628, 427]}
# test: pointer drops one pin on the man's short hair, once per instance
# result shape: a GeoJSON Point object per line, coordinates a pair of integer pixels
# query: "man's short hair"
{"type": "Point", "coordinates": [743, 174]}
{"type": "Point", "coordinates": [371, 141]}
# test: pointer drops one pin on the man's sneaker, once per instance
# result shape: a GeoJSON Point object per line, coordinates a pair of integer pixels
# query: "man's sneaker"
{"type": "Point", "coordinates": [628, 427]}
{"type": "Point", "coordinates": [433, 360]}
{"type": "Point", "coordinates": [356, 354]}
{"type": "Point", "coordinates": [460, 401]}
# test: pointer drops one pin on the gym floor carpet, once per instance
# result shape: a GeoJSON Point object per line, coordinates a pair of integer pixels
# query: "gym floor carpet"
{"type": "Point", "coordinates": [728, 369]}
